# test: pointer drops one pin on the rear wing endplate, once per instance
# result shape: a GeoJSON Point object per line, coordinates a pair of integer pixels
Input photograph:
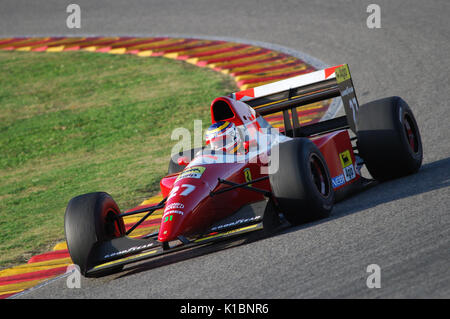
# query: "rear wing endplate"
{"type": "Point", "coordinates": [289, 94]}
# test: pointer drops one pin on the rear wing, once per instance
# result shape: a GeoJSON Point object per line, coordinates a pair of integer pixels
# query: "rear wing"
{"type": "Point", "coordinates": [289, 94]}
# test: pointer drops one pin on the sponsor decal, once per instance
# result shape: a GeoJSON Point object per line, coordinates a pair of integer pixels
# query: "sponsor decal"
{"type": "Point", "coordinates": [344, 82]}
{"type": "Point", "coordinates": [191, 172]}
{"type": "Point", "coordinates": [347, 165]}
{"type": "Point", "coordinates": [349, 172]}
{"type": "Point", "coordinates": [125, 259]}
{"type": "Point", "coordinates": [230, 232]}
{"type": "Point", "coordinates": [346, 158]}
{"type": "Point", "coordinates": [342, 73]}
{"type": "Point", "coordinates": [129, 250]}
{"type": "Point", "coordinates": [338, 181]}
{"type": "Point", "coordinates": [235, 223]}
{"type": "Point", "coordinates": [175, 206]}
{"type": "Point", "coordinates": [248, 175]}
{"type": "Point", "coordinates": [174, 211]}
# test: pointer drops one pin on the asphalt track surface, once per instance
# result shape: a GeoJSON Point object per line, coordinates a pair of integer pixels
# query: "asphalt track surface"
{"type": "Point", "coordinates": [402, 225]}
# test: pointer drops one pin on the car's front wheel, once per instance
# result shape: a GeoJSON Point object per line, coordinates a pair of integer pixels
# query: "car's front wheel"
{"type": "Point", "coordinates": [302, 184]}
{"type": "Point", "coordinates": [90, 219]}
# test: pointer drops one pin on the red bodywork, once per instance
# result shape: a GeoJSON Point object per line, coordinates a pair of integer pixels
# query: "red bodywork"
{"type": "Point", "coordinates": [190, 209]}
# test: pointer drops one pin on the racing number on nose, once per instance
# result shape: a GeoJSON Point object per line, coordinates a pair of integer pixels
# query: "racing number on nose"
{"type": "Point", "coordinates": [188, 188]}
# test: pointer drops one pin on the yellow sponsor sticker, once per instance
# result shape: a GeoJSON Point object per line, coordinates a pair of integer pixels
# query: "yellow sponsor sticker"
{"type": "Point", "coordinates": [342, 73]}
{"type": "Point", "coordinates": [191, 172]}
{"type": "Point", "coordinates": [346, 158]}
{"type": "Point", "coordinates": [248, 175]}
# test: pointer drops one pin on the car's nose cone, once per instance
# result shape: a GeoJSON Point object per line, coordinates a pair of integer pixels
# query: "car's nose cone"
{"type": "Point", "coordinates": [183, 200]}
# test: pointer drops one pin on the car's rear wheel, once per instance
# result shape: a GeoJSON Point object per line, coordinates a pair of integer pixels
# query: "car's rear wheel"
{"type": "Point", "coordinates": [302, 183]}
{"type": "Point", "coordinates": [388, 138]}
{"type": "Point", "coordinates": [90, 219]}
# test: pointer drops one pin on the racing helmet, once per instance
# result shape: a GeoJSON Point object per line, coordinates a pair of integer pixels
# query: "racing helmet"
{"type": "Point", "coordinates": [223, 136]}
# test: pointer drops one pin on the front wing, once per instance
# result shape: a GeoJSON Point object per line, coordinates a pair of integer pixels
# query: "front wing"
{"type": "Point", "coordinates": [124, 250]}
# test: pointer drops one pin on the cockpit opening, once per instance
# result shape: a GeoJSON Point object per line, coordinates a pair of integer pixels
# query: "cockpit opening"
{"type": "Point", "coordinates": [222, 111]}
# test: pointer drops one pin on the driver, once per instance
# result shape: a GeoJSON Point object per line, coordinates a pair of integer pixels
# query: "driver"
{"type": "Point", "coordinates": [223, 136]}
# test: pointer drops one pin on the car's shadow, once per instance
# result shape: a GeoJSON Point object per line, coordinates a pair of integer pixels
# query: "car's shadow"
{"type": "Point", "coordinates": [432, 176]}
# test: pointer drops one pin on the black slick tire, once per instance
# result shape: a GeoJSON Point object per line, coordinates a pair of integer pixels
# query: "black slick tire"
{"type": "Point", "coordinates": [302, 185]}
{"type": "Point", "coordinates": [389, 141]}
{"type": "Point", "coordinates": [90, 219]}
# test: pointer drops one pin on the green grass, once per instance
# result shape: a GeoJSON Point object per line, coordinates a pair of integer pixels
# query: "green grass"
{"type": "Point", "coordinates": [78, 122]}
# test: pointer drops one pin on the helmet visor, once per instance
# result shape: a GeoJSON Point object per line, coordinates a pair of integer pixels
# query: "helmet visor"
{"type": "Point", "coordinates": [226, 142]}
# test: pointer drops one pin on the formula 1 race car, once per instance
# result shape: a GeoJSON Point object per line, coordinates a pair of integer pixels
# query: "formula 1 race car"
{"type": "Point", "coordinates": [295, 174]}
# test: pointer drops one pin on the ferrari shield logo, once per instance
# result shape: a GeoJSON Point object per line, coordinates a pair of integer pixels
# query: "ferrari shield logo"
{"type": "Point", "coordinates": [248, 175]}
{"type": "Point", "coordinates": [346, 159]}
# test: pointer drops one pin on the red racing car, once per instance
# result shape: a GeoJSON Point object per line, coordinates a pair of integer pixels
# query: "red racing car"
{"type": "Point", "coordinates": [250, 175]}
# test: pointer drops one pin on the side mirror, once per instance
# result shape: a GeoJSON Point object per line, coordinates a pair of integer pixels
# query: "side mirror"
{"type": "Point", "coordinates": [183, 161]}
